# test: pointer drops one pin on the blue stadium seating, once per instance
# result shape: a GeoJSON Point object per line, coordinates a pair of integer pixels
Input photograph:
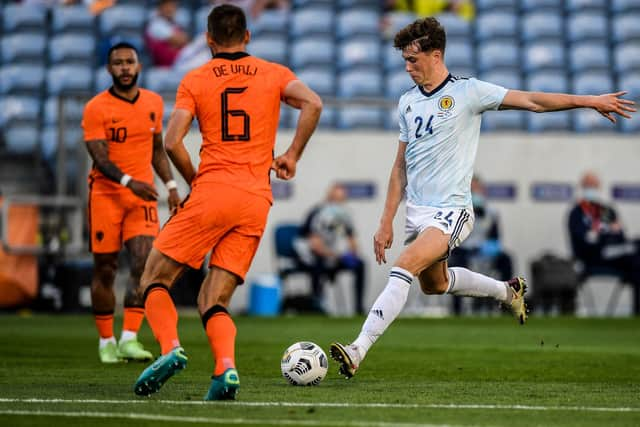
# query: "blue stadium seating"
{"type": "Point", "coordinates": [64, 78]}
{"type": "Point", "coordinates": [270, 22]}
{"type": "Point", "coordinates": [19, 109]}
{"type": "Point", "coordinates": [360, 118]}
{"type": "Point", "coordinates": [21, 139]}
{"type": "Point", "coordinates": [454, 26]}
{"type": "Point", "coordinates": [547, 81]}
{"type": "Point", "coordinates": [102, 79]}
{"type": "Point", "coordinates": [498, 54]}
{"type": "Point", "coordinates": [556, 121]}
{"type": "Point", "coordinates": [358, 3]}
{"type": "Point", "coordinates": [509, 120]}
{"type": "Point", "coordinates": [72, 47]}
{"type": "Point", "coordinates": [327, 118]}
{"type": "Point", "coordinates": [625, 27]}
{"type": "Point", "coordinates": [320, 79]}
{"type": "Point", "coordinates": [49, 140]}
{"type": "Point", "coordinates": [591, 121]}
{"type": "Point", "coordinates": [587, 26]}
{"type": "Point", "coordinates": [311, 20]}
{"type": "Point", "coordinates": [317, 50]}
{"type": "Point", "coordinates": [359, 51]}
{"type": "Point", "coordinates": [624, 6]}
{"type": "Point", "coordinates": [491, 5]}
{"type": "Point", "coordinates": [631, 83]}
{"type": "Point", "coordinates": [120, 18]}
{"type": "Point", "coordinates": [183, 18]}
{"type": "Point", "coordinates": [391, 119]}
{"type": "Point", "coordinates": [73, 109]}
{"type": "Point", "coordinates": [507, 78]}
{"type": "Point", "coordinates": [395, 21]}
{"type": "Point", "coordinates": [541, 25]}
{"type": "Point", "coordinates": [200, 19]}
{"type": "Point", "coordinates": [21, 78]}
{"type": "Point", "coordinates": [354, 22]}
{"type": "Point", "coordinates": [397, 83]}
{"type": "Point", "coordinates": [23, 47]}
{"type": "Point", "coordinates": [589, 56]}
{"type": "Point", "coordinates": [459, 53]}
{"type": "Point", "coordinates": [592, 83]}
{"type": "Point", "coordinates": [359, 82]}
{"type": "Point", "coordinates": [392, 58]}
{"type": "Point", "coordinates": [544, 55]}
{"type": "Point", "coordinates": [627, 57]}
{"type": "Point", "coordinates": [535, 5]}
{"type": "Point", "coordinates": [599, 6]}
{"type": "Point", "coordinates": [501, 25]}
{"type": "Point", "coordinates": [162, 80]}
{"type": "Point", "coordinates": [71, 18]}
{"type": "Point", "coordinates": [270, 47]}
{"type": "Point", "coordinates": [18, 17]}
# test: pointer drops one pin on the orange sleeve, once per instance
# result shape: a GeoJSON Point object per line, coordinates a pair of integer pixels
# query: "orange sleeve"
{"type": "Point", "coordinates": [286, 76]}
{"type": "Point", "coordinates": [184, 97]}
{"type": "Point", "coordinates": [92, 122]}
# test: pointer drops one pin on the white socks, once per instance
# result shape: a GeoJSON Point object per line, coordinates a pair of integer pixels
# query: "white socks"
{"type": "Point", "coordinates": [384, 311]}
{"type": "Point", "coordinates": [463, 282]}
{"type": "Point", "coordinates": [104, 341]}
{"type": "Point", "coordinates": [128, 336]}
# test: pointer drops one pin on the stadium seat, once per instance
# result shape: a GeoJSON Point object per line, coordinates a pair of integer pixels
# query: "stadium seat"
{"type": "Point", "coordinates": [162, 80]}
{"type": "Point", "coordinates": [497, 54]}
{"type": "Point", "coordinates": [327, 118]}
{"type": "Point", "coordinates": [307, 51]}
{"type": "Point", "coordinates": [556, 121]}
{"type": "Point", "coordinates": [23, 47]}
{"type": "Point", "coordinates": [459, 54]}
{"type": "Point", "coordinates": [589, 56]}
{"type": "Point", "coordinates": [118, 18]}
{"type": "Point", "coordinates": [16, 109]}
{"type": "Point", "coordinates": [547, 81]}
{"type": "Point", "coordinates": [21, 78]}
{"type": "Point", "coordinates": [391, 119]}
{"type": "Point", "coordinates": [625, 27]}
{"type": "Point", "coordinates": [500, 25]}
{"type": "Point", "coordinates": [587, 26]}
{"type": "Point", "coordinates": [631, 83]}
{"type": "Point", "coordinates": [71, 18]}
{"type": "Point", "coordinates": [627, 57]}
{"type": "Point", "coordinates": [392, 58]}
{"type": "Point", "coordinates": [102, 79]}
{"type": "Point", "coordinates": [572, 6]}
{"type": "Point", "coordinates": [462, 71]}
{"type": "Point", "coordinates": [397, 83]}
{"type": "Point", "coordinates": [20, 17]}
{"type": "Point", "coordinates": [320, 79]}
{"type": "Point", "coordinates": [624, 6]}
{"type": "Point", "coordinates": [311, 20]}
{"type": "Point", "coordinates": [200, 19]}
{"type": "Point", "coordinates": [297, 4]}
{"type": "Point", "coordinates": [359, 51]}
{"type": "Point", "coordinates": [357, 21]}
{"type": "Point", "coordinates": [353, 117]}
{"type": "Point", "coordinates": [395, 21]}
{"type": "Point", "coordinates": [65, 79]}
{"type": "Point", "coordinates": [536, 5]}
{"type": "Point", "coordinates": [585, 121]}
{"type": "Point", "coordinates": [270, 22]}
{"type": "Point", "coordinates": [510, 120]}
{"type": "Point", "coordinates": [270, 47]}
{"type": "Point", "coordinates": [167, 110]}
{"type": "Point", "coordinates": [494, 5]}
{"type": "Point", "coordinates": [358, 3]}
{"type": "Point", "coordinates": [455, 26]}
{"type": "Point", "coordinates": [21, 140]}
{"type": "Point", "coordinates": [541, 25]}
{"type": "Point", "coordinates": [72, 48]}
{"type": "Point", "coordinates": [506, 78]}
{"type": "Point", "coordinates": [73, 109]}
{"type": "Point", "coordinates": [183, 18]}
{"type": "Point", "coordinates": [49, 141]}
{"type": "Point", "coordinates": [544, 55]}
{"type": "Point", "coordinates": [359, 82]}
{"type": "Point", "coordinates": [592, 83]}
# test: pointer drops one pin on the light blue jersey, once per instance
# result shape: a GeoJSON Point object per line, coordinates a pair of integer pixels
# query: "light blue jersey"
{"type": "Point", "coordinates": [441, 129]}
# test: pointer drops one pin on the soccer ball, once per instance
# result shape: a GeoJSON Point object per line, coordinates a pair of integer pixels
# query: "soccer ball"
{"type": "Point", "coordinates": [304, 363]}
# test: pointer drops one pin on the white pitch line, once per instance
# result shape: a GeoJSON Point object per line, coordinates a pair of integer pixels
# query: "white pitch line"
{"type": "Point", "coordinates": [206, 420]}
{"type": "Point", "coordinates": [336, 405]}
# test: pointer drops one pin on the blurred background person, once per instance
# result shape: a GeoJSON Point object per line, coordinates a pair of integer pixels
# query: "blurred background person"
{"type": "Point", "coordinates": [163, 36]}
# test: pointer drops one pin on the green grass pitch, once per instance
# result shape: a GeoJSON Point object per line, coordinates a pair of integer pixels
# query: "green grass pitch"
{"type": "Point", "coordinates": [423, 372]}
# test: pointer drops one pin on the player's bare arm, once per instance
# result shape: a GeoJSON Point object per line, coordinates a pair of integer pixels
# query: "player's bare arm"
{"type": "Point", "coordinates": [160, 164]}
{"type": "Point", "coordinates": [541, 102]}
{"type": "Point", "coordinates": [178, 126]}
{"type": "Point", "coordinates": [99, 152]}
{"type": "Point", "coordinates": [298, 95]}
{"type": "Point", "coordinates": [383, 238]}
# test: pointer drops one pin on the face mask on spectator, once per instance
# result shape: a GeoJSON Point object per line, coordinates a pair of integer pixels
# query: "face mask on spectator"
{"type": "Point", "coordinates": [591, 194]}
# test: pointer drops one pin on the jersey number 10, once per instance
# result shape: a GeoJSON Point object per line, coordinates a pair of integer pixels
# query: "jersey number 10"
{"type": "Point", "coordinates": [226, 112]}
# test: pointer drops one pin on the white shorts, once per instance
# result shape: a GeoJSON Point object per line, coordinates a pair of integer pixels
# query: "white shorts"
{"type": "Point", "coordinates": [456, 222]}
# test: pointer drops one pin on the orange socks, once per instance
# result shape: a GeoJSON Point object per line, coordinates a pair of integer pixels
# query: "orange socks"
{"type": "Point", "coordinates": [221, 332]}
{"type": "Point", "coordinates": [104, 324]}
{"type": "Point", "coordinates": [162, 317]}
{"type": "Point", "coordinates": [132, 320]}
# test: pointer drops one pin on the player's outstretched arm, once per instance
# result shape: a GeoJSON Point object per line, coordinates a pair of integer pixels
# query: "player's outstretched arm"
{"type": "Point", "coordinates": [99, 152]}
{"type": "Point", "coordinates": [298, 95]}
{"type": "Point", "coordinates": [161, 166]}
{"type": "Point", "coordinates": [383, 238]}
{"type": "Point", "coordinates": [541, 102]}
{"type": "Point", "coordinates": [178, 126]}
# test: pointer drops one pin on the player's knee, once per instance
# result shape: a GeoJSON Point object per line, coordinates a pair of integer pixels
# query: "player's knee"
{"type": "Point", "coordinates": [431, 287]}
{"type": "Point", "coordinates": [105, 273]}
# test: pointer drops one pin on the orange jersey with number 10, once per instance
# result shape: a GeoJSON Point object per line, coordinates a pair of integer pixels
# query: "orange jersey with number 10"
{"type": "Point", "coordinates": [236, 99]}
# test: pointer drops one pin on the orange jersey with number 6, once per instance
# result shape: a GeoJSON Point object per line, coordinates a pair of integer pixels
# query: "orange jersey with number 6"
{"type": "Point", "coordinates": [236, 99]}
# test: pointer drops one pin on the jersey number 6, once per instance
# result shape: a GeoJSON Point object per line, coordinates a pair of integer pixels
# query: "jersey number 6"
{"type": "Point", "coordinates": [226, 112]}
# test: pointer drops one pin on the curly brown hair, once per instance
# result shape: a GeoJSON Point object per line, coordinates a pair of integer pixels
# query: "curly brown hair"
{"type": "Point", "coordinates": [427, 34]}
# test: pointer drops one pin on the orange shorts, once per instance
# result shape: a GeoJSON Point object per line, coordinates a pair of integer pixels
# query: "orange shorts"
{"type": "Point", "coordinates": [115, 217]}
{"type": "Point", "coordinates": [227, 221]}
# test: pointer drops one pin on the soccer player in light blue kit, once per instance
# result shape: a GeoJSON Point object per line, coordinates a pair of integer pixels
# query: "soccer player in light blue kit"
{"type": "Point", "coordinates": [439, 132]}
